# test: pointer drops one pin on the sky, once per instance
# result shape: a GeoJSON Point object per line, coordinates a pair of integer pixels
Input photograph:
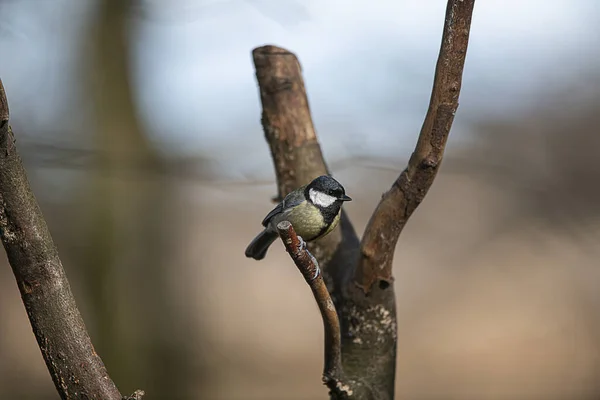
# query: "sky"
{"type": "Point", "coordinates": [368, 67]}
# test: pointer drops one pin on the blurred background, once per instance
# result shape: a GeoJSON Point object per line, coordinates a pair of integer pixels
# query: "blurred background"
{"type": "Point", "coordinates": [139, 125]}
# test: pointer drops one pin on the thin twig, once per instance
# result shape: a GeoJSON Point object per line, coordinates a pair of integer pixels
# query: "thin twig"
{"type": "Point", "coordinates": [309, 268]}
{"type": "Point", "coordinates": [137, 395]}
{"type": "Point", "coordinates": [407, 192]}
{"type": "Point", "coordinates": [75, 367]}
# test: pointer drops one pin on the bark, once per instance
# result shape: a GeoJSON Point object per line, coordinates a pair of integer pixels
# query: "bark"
{"type": "Point", "coordinates": [368, 341]}
{"type": "Point", "coordinates": [75, 367]}
{"type": "Point", "coordinates": [309, 268]}
{"type": "Point", "coordinates": [409, 190]}
{"type": "Point", "coordinates": [359, 274]}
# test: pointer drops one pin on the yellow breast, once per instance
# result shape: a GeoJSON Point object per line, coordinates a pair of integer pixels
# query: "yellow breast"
{"type": "Point", "coordinates": [308, 222]}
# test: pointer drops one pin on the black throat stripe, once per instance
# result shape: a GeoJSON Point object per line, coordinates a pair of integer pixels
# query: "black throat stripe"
{"type": "Point", "coordinates": [329, 214]}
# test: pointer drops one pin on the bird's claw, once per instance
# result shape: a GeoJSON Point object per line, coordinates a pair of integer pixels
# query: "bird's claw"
{"type": "Point", "coordinates": [301, 244]}
{"type": "Point", "coordinates": [316, 264]}
{"type": "Point", "coordinates": [301, 247]}
{"type": "Point", "coordinates": [317, 273]}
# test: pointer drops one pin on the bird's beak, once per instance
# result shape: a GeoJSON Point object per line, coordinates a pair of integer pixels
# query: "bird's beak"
{"type": "Point", "coordinates": [345, 198]}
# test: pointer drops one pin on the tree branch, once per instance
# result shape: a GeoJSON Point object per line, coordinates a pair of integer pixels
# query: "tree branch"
{"type": "Point", "coordinates": [366, 312]}
{"type": "Point", "coordinates": [290, 133]}
{"type": "Point", "coordinates": [368, 324]}
{"type": "Point", "coordinates": [407, 192]}
{"type": "Point", "coordinates": [286, 118]}
{"type": "Point", "coordinates": [76, 369]}
{"type": "Point", "coordinates": [309, 268]}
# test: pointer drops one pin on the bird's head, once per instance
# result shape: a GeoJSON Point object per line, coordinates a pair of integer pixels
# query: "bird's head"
{"type": "Point", "coordinates": [325, 191]}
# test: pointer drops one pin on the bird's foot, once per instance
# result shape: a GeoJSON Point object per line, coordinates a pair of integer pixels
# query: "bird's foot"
{"type": "Point", "coordinates": [301, 247]}
{"type": "Point", "coordinates": [301, 244]}
{"type": "Point", "coordinates": [317, 270]}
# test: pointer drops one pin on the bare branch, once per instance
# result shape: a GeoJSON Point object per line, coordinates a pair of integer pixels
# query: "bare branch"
{"type": "Point", "coordinates": [4, 111]}
{"type": "Point", "coordinates": [309, 268]}
{"type": "Point", "coordinates": [76, 369]}
{"type": "Point", "coordinates": [407, 192]}
{"type": "Point", "coordinates": [367, 312]}
{"type": "Point", "coordinates": [290, 133]}
{"type": "Point", "coordinates": [137, 395]}
{"type": "Point", "coordinates": [286, 118]}
{"type": "Point", "coordinates": [368, 324]}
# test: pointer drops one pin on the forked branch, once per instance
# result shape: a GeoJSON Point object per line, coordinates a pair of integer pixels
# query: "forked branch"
{"type": "Point", "coordinates": [366, 312]}
{"type": "Point", "coordinates": [75, 367]}
{"type": "Point", "coordinates": [407, 192]}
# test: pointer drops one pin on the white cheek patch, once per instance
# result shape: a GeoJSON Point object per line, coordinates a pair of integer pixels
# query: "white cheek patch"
{"type": "Point", "coordinates": [320, 198]}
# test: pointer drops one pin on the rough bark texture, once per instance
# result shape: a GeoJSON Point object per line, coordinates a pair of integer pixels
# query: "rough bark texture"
{"type": "Point", "coordinates": [407, 192]}
{"type": "Point", "coordinates": [359, 276]}
{"type": "Point", "coordinates": [289, 131]}
{"type": "Point", "coordinates": [308, 266]}
{"type": "Point", "coordinates": [368, 347]}
{"type": "Point", "coordinates": [76, 369]}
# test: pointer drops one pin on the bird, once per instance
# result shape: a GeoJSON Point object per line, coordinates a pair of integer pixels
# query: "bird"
{"type": "Point", "coordinates": [313, 210]}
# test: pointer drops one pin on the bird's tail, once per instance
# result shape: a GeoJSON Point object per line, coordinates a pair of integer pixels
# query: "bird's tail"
{"type": "Point", "coordinates": [257, 249]}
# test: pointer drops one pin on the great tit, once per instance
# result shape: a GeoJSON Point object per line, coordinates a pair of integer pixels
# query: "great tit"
{"type": "Point", "coordinates": [313, 210]}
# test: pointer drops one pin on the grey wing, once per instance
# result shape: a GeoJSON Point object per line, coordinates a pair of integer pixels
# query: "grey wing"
{"type": "Point", "coordinates": [291, 200]}
{"type": "Point", "coordinates": [278, 208]}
